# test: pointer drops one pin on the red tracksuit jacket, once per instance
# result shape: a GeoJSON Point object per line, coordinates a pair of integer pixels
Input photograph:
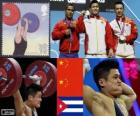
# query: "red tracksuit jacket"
{"type": "Point", "coordinates": [67, 45]}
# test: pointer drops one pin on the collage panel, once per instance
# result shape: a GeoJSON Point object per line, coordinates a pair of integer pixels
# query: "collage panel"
{"type": "Point", "coordinates": [28, 86]}
{"type": "Point", "coordinates": [96, 32]}
{"type": "Point", "coordinates": [25, 29]}
{"type": "Point", "coordinates": [69, 87]}
{"type": "Point", "coordinates": [111, 87]}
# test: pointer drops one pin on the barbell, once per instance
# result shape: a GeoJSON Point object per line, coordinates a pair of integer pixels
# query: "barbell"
{"type": "Point", "coordinates": [39, 72]}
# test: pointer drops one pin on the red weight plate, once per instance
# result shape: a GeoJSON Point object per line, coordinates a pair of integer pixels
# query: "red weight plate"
{"type": "Point", "coordinates": [11, 14]}
{"type": "Point", "coordinates": [11, 69]}
{"type": "Point", "coordinates": [3, 77]}
{"type": "Point", "coordinates": [48, 73]}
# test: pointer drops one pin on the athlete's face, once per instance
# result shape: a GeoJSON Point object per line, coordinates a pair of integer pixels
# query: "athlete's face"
{"type": "Point", "coordinates": [119, 10]}
{"type": "Point", "coordinates": [36, 99]}
{"type": "Point", "coordinates": [94, 9]}
{"type": "Point", "coordinates": [112, 84]}
{"type": "Point", "coordinates": [69, 12]}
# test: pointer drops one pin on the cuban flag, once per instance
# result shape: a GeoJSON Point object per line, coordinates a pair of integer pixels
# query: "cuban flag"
{"type": "Point", "coordinates": [70, 87]}
{"type": "Point", "coordinates": [71, 106]}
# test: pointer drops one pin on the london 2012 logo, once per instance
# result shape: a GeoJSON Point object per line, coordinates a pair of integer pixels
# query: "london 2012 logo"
{"type": "Point", "coordinates": [77, 1]}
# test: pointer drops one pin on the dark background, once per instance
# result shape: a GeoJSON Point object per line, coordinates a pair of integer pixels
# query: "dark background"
{"type": "Point", "coordinates": [60, 5]}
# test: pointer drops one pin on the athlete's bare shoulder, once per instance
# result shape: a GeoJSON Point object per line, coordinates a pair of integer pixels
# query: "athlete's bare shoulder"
{"type": "Point", "coordinates": [92, 97]}
{"type": "Point", "coordinates": [28, 111]}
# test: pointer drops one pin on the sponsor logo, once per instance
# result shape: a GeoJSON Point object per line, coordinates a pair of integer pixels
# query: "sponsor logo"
{"type": "Point", "coordinates": [57, 0]}
{"type": "Point", "coordinates": [7, 112]}
{"type": "Point", "coordinates": [77, 1]}
{"type": "Point", "coordinates": [71, 1]}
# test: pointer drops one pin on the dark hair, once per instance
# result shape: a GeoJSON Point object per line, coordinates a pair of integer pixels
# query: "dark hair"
{"type": "Point", "coordinates": [102, 69]}
{"type": "Point", "coordinates": [69, 4]}
{"type": "Point", "coordinates": [116, 3]}
{"type": "Point", "coordinates": [92, 2]}
{"type": "Point", "coordinates": [32, 90]}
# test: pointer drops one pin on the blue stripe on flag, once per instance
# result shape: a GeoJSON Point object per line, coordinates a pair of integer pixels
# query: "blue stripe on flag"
{"type": "Point", "coordinates": [71, 98]}
{"type": "Point", "coordinates": [71, 114]}
{"type": "Point", "coordinates": [75, 106]}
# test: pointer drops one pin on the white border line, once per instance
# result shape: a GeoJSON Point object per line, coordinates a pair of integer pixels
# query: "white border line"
{"type": "Point", "coordinates": [73, 110]}
{"type": "Point", "coordinates": [75, 102]}
{"type": "Point", "coordinates": [131, 10]}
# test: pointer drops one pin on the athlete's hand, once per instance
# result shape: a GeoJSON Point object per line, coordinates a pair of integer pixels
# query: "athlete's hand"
{"type": "Point", "coordinates": [111, 53]}
{"type": "Point", "coordinates": [83, 12]}
{"type": "Point", "coordinates": [73, 24]}
{"type": "Point", "coordinates": [67, 32]}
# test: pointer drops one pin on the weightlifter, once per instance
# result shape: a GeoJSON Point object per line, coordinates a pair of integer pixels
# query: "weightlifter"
{"type": "Point", "coordinates": [115, 97]}
{"type": "Point", "coordinates": [65, 31]}
{"type": "Point", "coordinates": [125, 32]}
{"type": "Point", "coordinates": [39, 79]}
{"type": "Point", "coordinates": [99, 42]}
{"type": "Point", "coordinates": [21, 38]}
{"type": "Point", "coordinates": [33, 101]}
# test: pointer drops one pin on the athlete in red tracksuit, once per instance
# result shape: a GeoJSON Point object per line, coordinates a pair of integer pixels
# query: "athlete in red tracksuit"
{"type": "Point", "coordinates": [65, 31]}
{"type": "Point", "coordinates": [99, 41]}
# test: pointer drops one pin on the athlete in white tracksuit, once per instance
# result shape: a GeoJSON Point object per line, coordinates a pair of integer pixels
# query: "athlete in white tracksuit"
{"type": "Point", "coordinates": [125, 33]}
{"type": "Point", "coordinates": [99, 42]}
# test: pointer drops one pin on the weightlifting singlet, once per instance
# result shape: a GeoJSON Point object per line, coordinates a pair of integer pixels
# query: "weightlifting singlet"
{"type": "Point", "coordinates": [117, 110]}
{"type": "Point", "coordinates": [20, 47]}
{"type": "Point", "coordinates": [34, 113]}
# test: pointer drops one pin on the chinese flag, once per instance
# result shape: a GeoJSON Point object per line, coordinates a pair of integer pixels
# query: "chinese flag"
{"type": "Point", "coordinates": [69, 77]}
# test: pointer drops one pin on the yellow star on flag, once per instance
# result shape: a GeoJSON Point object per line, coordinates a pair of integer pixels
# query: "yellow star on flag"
{"type": "Point", "coordinates": [61, 82]}
{"type": "Point", "coordinates": [61, 62]}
